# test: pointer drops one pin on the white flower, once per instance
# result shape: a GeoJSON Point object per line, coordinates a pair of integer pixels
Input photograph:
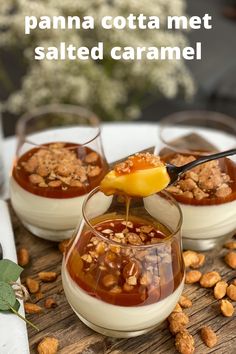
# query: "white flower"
{"type": "Point", "coordinates": [113, 89]}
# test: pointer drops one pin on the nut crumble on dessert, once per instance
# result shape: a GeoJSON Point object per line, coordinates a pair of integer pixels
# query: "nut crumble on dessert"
{"type": "Point", "coordinates": [204, 181]}
{"type": "Point", "coordinates": [138, 161]}
{"type": "Point", "coordinates": [60, 170]}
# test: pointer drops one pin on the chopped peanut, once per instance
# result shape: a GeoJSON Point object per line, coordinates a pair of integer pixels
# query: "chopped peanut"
{"type": "Point", "coordinates": [23, 257]}
{"type": "Point", "coordinates": [38, 296]}
{"type": "Point", "coordinates": [176, 327]}
{"type": "Point", "coordinates": [185, 302]}
{"type": "Point", "coordinates": [208, 336]}
{"type": "Point", "coordinates": [109, 280]}
{"type": "Point", "coordinates": [177, 308]}
{"type": "Point", "coordinates": [48, 345]}
{"type": "Point", "coordinates": [208, 280]}
{"type": "Point", "coordinates": [32, 285]}
{"type": "Point", "coordinates": [184, 342]}
{"type": "Point", "coordinates": [230, 259]}
{"type": "Point", "coordinates": [220, 289]}
{"type": "Point", "coordinates": [193, 277]}
{"type": "Point", "coordinates": [231, 245]}
{"type": "Point", "coordinates": [227, 308]}
{"type": "Point", "coordinates": [50, 303]}
{"type": "Point", "coordinates": [190, 258]}
{"type": "Point", "coordinates": [180, 317]}
{"type": "Point", "coordinates": [200, 262]}
{"type": "Point", "coordinates": [231, 292]}
{"type": "Point", "coordinates": [47, 276]}
{"type": "Point", "coordinates": [32, 308]}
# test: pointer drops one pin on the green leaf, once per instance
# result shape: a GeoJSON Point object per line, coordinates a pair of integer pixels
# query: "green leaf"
{"type": "Point", "coordinates": [16, 306]}
{"type": "Point", "coordinates": [9, 271]}
{"type": "Point", "coordinates": [7, 296]}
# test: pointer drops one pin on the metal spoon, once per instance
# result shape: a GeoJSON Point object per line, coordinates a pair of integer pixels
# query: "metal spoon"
{"type": "Point", "coordinates": [176, 172]}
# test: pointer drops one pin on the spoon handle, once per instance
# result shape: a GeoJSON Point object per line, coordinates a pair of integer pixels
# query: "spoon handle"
{"type": "Point", "coordinates": [207, 158]}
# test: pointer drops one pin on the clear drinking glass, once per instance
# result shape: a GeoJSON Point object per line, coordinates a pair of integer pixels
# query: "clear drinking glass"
{"type": "Point", "coordinates": [59, 159]}
{"type": "Point", "coordinates": [209, 209]}
{"type": "Point", "coordinates": [116, 282]}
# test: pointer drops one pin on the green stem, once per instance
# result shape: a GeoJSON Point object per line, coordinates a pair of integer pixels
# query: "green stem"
{"type": "Point", "coordinates": [23, 318]}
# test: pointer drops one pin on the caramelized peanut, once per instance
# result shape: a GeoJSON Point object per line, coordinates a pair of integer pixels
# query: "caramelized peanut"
{"type": "Point", "coordinates": [47, 276]}
{"type": "Point", "coordinates": [231, 292]}
{"type": "Point", "coordinates": [23, 256]}
{"type": "Point", "coordinates": [193, 277]}
{"type": "Point", "coordinates": [209, 337]}
{"type": "Point", "coordinates": [32, 285]}
{"type": "Point", "coordinates": [48, 345]}
{"type": "Point", "coordinates": [230, 259]}
{"type": "Point", "coordinates": [220, 289]}
{"type": "Point", "coordinates": [227, 308]}
{"type": "Point", "coordinates": [208, 280]}
{"type": "Point", "coordinates": [32, 308]}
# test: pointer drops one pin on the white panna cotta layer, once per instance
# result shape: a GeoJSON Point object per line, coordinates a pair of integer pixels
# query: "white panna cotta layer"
{"type": "Point", "coordinates": [208, 221]}
{"type": "Point", "coordinates": [47, 213]}
{"type": "Point", "coordinates": [114, 317]}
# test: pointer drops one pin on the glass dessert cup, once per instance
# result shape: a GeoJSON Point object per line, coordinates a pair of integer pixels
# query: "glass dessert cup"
{"type": "Point", "coordinates": [123, 279]}
{"type": "Point", "coordinates": [59, 160]}
{"type": "Point", "coordinates": [207, 194]}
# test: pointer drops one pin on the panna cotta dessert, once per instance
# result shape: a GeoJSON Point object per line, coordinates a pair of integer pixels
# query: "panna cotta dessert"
{"type": "Point", "coordinates": [49, 184]}
{"type": "Point", "coordinates": [123, 278]}
{"type": "Point", "coordinates": [207, 197]}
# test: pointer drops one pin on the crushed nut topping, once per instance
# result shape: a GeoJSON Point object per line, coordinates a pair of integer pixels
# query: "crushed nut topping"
{"type": "Point", "coordinates": [138, 161]}
{"type": "Point", "coordinates": [118, 269]}
{"type": "Point", "coordinates": [61, 165]}
{"type": "Point", "coordinates": [204, 181]}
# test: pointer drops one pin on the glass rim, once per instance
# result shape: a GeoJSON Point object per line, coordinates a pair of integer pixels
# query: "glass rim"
{"type": "Point", "coordinates": [161, 242]}
{"type": "Point", "coordinates": [57, 109]}
{"type": "Point", "coordinates": [202, 115]}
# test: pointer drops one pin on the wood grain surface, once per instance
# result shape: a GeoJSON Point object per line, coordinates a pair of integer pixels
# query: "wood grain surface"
{"type": "Point", "coordinates": [74, 337]}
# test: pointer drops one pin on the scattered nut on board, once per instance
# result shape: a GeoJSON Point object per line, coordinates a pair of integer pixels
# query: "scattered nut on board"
{"type": "Point", "coordinates": [208, 336]}
{"type": "Point", "coordinates": [23, 256]}
{"type": "Point", "coordinates": [184, 342]}
{"type": "Point", "coordinates": [50, 303]}
{"type": "Point", "coordinates": [231, 245]}
{"type": "Point", "coordinates": [185, 302]}
{"type": "Point", "coordinates": [227, 308]}
{"type": "Point", "coordinates": [47, 276]}
{"type": "Point", "coordinates": [48, 345]}
{"type": "Point", "coordinates": [230, 259]}
{"type": "Point", "coordinates": [177, 321]}
{"type": "Point", "coordinates": [220, 289]}
{"type": "Point", "coordinates": [200, 262]}
{"type": "Point", "coordinates": [32, 308]}
{"type": "Point", "coordinates": [38, 296]}
{"type": "Point", "coordinates": [63, 245]}
{"type": "Point", "coordinates": [177, 308]}
{"type": "Point", "coordinates": [190, 258]}
{"type": "Point", "coordinates": [209, 279]}
{"type": "Point", "coordinates": [193, 276]}
{"type": "Point", "coordinates": [32, 285]}
{"type": "Point", "coordinates": [231, 292]}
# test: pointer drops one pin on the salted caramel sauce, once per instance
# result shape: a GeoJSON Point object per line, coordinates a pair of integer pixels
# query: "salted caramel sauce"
{"type": "Point", "coordinates": [65, 189]}
{"type": "Point", "coordinates": [121, 275]}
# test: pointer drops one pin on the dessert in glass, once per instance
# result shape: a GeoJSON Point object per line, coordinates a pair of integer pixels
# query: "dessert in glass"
{"type": "Point", "coordinates": [207, 193]}
{"type": "Point", "coordinates": [59, 160]}
{"type": "Point", "coordinates": [123, 273]}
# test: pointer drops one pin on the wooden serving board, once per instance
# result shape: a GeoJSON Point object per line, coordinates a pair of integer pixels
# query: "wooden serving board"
{"type": "Point", "coordinates": [74, 337]}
